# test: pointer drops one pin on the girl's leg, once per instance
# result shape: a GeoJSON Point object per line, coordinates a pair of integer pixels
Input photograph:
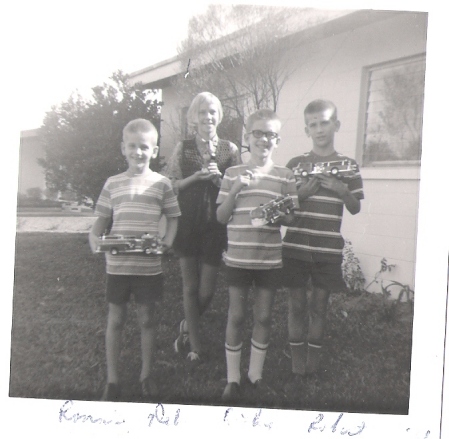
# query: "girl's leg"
{"type": "Point", "coordinates": [317, 326]}
{"type": "Point", "coordinates": [207, 286]}
{"type": "Point", "coordinates": [261, 332]}
{"type": "Point", "coordinates": [114, 329]}
{"type": "Point", "coordinates": [297, 328]}
{"type": "Point", "coordinates": [190, 284]}
{"type": "Point", "coordinates": [147, 322]}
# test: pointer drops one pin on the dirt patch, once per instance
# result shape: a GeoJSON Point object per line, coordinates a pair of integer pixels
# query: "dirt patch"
{"type": "Point", "coordinates": [55, 224]}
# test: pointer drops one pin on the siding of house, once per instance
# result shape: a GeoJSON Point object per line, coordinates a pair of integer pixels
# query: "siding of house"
{"type": "Point", "coordinates": [332, 67]}
{"type": "Point", "coordinates": [31, 174]}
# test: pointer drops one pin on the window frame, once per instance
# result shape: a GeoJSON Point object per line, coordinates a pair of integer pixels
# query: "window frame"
{"type": "Point", "coordinates": [412, 165]}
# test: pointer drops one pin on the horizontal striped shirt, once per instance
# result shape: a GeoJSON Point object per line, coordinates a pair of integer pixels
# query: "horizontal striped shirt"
{"type": "Point", "coordinates": [315, 235]}
{"type": "Point", "coordinates": [135, 205]}
{"type": "Point", "coordinates": [249, 246]}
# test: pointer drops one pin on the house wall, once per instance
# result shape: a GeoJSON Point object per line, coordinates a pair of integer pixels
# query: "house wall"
{"type": "Point", "coordinates": [31, 174]}
{"type": "Point", "coordinates": [332, 68]}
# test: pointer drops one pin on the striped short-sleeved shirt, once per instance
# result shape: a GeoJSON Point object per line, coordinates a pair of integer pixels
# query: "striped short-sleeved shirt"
{"type": "Point", "coordinates": [315, 235]}
{"type": "Point", "coordinates": [135, 204]}
{"type": "Point", "coordinates": [255, 247]}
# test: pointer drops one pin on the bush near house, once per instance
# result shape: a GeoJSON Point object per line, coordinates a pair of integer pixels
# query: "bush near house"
{"type": "Point", "coordinates": [59, 320]}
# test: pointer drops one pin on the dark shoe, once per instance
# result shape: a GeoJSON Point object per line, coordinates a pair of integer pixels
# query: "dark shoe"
{"type": "Point", "coordinates": [294, 386]}
{"type": "Point", "coordinates": [287, 353]}
{"type": "Point", "coordinates": [149, 387]}
{"type": "Point", "coordinates": [231, 392]}
{"type": "Point", "coordinates": [261, 392]}
{"type": "Point", "coordinates": [193, 360]}
{"type": "Point", "coordinates": [181, 342]}
{"type": "Point", "coordinates": [111, 392]}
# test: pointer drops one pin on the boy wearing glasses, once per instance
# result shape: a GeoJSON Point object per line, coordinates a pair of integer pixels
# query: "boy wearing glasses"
{"type": "Point", "coordinates": [313, 244]}
{"type": "Point", "coordinates": [254, 254]}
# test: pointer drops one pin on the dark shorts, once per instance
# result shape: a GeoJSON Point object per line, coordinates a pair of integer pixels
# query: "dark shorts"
{"type": "Point", "coordinates": [328, 276]}
{"type": "Point", "coordinates": [242, 277]}
{"type": "Point", "coordinates": [146, 289]}
{"type": "Point", "coordinates": [206, 243]}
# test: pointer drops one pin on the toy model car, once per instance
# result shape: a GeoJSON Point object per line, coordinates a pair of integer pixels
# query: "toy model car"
{"type": "Point", "coordinates": [337, 168]}
{"type": "Point", "coordinates": [269, 213]}
{"type": "Point", "coordinates": [115, 244]}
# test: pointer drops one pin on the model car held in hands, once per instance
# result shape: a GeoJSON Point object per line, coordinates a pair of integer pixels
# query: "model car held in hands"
{"type": "Point", "coordinates": [115, 244]}
{"type": "Point", "coordinates": [270, 212]}
{"type": "Point", "coordinates": [337, 168]}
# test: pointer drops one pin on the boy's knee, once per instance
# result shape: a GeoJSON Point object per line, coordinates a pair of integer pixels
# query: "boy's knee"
{"type": "Point", "coordinates": [319, 308]}
{"type": "Point", "coordinates": [116, 322]}
{"type": "Point", "coordinates": [236, 318]}
{"type": "Point", "coordinates": [263, 318]}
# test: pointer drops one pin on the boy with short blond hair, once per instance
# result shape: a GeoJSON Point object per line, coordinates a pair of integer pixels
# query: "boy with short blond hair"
{"type": "Point", "coordinates": [313, 244]}
{"type": "Point", "coordinates": [132, 203]}
{"type": "Point", "coordinates": [254, 254]}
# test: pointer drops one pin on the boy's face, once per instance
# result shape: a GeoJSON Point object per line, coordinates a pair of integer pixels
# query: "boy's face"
{"type": "Point", "coordinates": [208, 116]}
{"type": "Point", "coordinates": [262, 148]}
{"type": "Point", "coordinates": [321, 128]}
{"type": "Point", "coordinates": [138, 149]}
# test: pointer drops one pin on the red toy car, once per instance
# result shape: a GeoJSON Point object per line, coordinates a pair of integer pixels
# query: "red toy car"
{"type": "Point", "coordinates": [337, 168]}
{"type": "Point", "coordinates": [269, 213]}
{"type": "Point", "coordinates": [115, 244]}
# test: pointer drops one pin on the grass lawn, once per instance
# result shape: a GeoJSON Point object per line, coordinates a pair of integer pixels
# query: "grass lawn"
{"type": "Point", "coordinates": [59, 320]}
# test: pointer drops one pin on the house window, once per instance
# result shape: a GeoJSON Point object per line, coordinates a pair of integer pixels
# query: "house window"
{"type": "Point", "coordinates": [394, 113]}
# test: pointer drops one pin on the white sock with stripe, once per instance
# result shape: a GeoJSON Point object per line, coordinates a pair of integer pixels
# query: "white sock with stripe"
{"type": "Point", "coordinates": [257, 360]}
{"type": "Point", "coordinates": [233, 356]}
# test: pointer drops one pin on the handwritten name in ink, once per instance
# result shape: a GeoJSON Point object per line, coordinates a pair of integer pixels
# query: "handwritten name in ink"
{"type": "Point", "coordinates": [159, 417]}
{"type": "Point", "coordinates": [235, 416]}
{"type": "Point", "coordinates": [66, 414]}
{"type": "Point", "coordinates": [337, 427]}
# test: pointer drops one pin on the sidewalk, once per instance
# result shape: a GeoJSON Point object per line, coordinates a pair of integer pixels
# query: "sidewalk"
{"type": "Point", "coordinates": [73, 224]}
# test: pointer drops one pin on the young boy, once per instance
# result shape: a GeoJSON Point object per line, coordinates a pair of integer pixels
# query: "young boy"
{"type": "Point", "coordinates": [134, 202]}
{"type": "Point", "coordinates": [312, 247]}
{"type": "Point", "coordinates": [254, 253]}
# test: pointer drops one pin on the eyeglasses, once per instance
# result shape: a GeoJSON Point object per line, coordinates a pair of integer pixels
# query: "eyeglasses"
{"type": "Point", "coordinates": [268, 134]}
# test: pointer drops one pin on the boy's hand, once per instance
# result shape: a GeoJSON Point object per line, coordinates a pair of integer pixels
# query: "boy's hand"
{"type": "Point", "coordinates": [93, 243]}
{"type": "Point", "coordinates": [241, 181]}
{"type": "Point", "coordinates": [333, 184]}
{"type": "Point", "coordinates": [166, 246]}
{"type": "Point", "coordinates": [308, 188]}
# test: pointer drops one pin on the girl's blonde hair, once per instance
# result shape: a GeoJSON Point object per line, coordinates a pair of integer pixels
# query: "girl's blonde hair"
{"type": "Point", "coordinates": [193, 111]}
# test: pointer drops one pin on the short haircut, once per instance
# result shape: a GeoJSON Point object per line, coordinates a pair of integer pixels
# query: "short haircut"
{"type": "Point", "coordinates": [261, 115]}
{"type": "Point", "coordinates": [140, 126]}
{"type": "Point", "coordinates": [319, 105]}
{"type": "Point", "coordinates": [194, 109]}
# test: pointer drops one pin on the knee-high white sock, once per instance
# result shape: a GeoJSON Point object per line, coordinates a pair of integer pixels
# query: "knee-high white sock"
{"type": "Point", "coordinates": [233, 356]}
{"type": "Point", "coordinates": [257, 360]}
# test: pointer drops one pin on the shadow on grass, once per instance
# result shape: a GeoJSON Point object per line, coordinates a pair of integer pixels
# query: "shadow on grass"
{"type": "Point", "coordinates": [59, 321]}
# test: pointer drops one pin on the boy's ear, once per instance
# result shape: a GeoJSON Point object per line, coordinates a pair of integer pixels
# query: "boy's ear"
{"type": "Point", "coordinates": [155, 151]}
{"type": "Point", "coordinates": [337, 125]}
{"type": "Point", "coordinates": [306, 129]}
{"type": "Point", "coordinates": [122, 147]}
{"type": "Point", "coordinates": [246, 137]}
{"type": "Point", "coordinates": [278, 139]}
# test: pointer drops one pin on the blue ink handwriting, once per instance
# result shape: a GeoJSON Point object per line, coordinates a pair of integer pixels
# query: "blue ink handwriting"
{"type": "Point", "coordinates": [159, 416]}
{"type": "Point", "coordinates": [234, 416]}
{"type": "Point", "coordinates": [319, 425]}
{"type": "Point", "coordinates": [66, 415]}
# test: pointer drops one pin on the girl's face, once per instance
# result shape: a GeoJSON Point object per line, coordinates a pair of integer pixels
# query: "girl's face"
{"type": "Point", "coordinates": [208, 117]}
